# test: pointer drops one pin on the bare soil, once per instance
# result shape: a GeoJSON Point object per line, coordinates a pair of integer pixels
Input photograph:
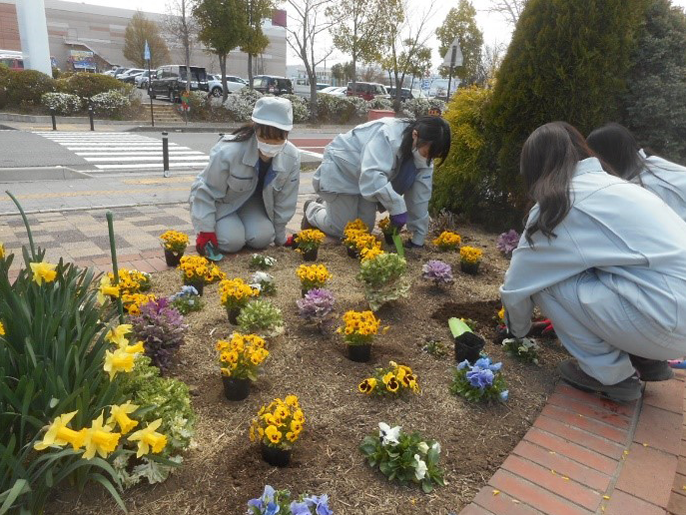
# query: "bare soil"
{"type": "Point", "coordinates": [224, 469]}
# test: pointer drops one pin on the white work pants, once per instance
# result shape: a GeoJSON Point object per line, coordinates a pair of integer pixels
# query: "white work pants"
{"type": "Point", "coordinates": [337, 210]}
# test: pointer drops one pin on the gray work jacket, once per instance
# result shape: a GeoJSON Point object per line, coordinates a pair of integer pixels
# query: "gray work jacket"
{"type": "Point", "coordinates": [668, 181]}
{"type": "Point", "coordinates": [634, 242]}
{"type": "Point", "coordinates": [230, 179]}
{"type": "Point", "coordinates": [365, 160]}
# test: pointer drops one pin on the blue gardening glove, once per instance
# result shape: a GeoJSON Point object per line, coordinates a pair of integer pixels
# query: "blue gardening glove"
{"type": "Point", "coordinates": [399, 220]}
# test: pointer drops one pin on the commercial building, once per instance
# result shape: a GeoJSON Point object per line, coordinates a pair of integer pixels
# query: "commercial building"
{"type": "Point", "coordinates": [91, 37]}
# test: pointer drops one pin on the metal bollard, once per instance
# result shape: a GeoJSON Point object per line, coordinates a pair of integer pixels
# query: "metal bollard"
{"type": "Point", "coordinates": [54, 121]}
{"type": "Point", "coordinates": [90, 115]}
{"type": "Point", "coordinates": [165, 153]}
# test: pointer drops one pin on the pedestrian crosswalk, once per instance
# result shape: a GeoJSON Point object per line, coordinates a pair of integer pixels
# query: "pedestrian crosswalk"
{"type": "Point", "coordinates": [120, 151]}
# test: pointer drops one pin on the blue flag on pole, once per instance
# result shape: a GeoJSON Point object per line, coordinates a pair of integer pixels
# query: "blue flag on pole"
{"type": "Point", "coordinates": [146, 52]}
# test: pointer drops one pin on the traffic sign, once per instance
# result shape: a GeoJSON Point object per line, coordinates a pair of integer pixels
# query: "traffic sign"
{"type": "Point", "coordinates": [453, 57]}
{"type": "Point", "coordinates": [146, 52]}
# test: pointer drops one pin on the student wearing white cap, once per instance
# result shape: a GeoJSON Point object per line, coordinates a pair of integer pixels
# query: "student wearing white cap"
{"type": "Point", "coordinates": [249, 190]}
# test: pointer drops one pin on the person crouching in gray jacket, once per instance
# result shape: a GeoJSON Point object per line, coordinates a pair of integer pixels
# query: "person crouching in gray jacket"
{"type": "Point", "coordinates": [386, 164]}
{"type": "Point", "coordinates": [249, 190]}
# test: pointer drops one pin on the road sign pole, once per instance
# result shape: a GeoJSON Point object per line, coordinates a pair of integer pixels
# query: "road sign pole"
{"type": "Point", "coordinates": [450, 73]}
{"type": "Point", "coordinates": [165, 153]}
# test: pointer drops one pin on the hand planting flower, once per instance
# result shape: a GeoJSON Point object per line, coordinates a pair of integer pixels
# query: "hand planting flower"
{"type": "Point", "coordinates": [384, 279]}
{"type": "Point", "coordinates": [234, 293]}
{"type": "Point", "coordinates": [406, 458]}
{"type": "Point", "coordinates": [359, 327]}
{"type": "Point", "coordinates": [317, 306]}
{"type": "Point", "coordinates": [312, 276]}
{"type": "Point", "coordinates": [261, 262]}
{"type": "Point", "coordinates": [43, 272]}
{"type": "Point", "coordinates": [524, 349]}
{"type": "Point", "coordinates": [263, 282]}
{"type": "Point", "coordinates": [308, 240]}
{"type": "Point", "coordinates": [392, 380]}
{"type": "Point", "coordinates": [174, 241]}
{"type": "Point", "coordinates": [241, 356]}
{"type": "Point", "coordinates": [481, 381]}
{"type": "Point", "coordinates": [439, 272]}
{"type": "Point", "coordinates": [448, 241]}
{"type": "Point", "coordinates": [507, 242]}
{"type": "Point", "coordinates": [279, 423]}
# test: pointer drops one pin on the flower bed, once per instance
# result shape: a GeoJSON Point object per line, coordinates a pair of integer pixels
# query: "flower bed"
{"type": "Point", "coordinates": [225, 470]}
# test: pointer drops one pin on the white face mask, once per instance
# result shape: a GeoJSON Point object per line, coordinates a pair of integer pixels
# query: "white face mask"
{"type": "Point", "coordinates": [419, 160]}
{"type": "Point", "coordinates": [270, 150]}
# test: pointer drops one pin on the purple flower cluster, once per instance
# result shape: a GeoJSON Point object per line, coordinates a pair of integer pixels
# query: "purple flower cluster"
{"type": "Point", "coordinates": [162, 330]}
{"type": "Point", "coordinates": [437, 271]}
{"type": "Point", "coordinates": [481, 373]}
{"type": "Point", "coordinates": [317, 305]}
{"type": "Point", "coordinates": [507, 242]}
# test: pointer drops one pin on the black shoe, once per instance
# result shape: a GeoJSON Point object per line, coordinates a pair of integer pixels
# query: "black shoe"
{"type": "Point", "coordinates": [651, 369]}
{"type": "Point", "coordinates": [627, 390]}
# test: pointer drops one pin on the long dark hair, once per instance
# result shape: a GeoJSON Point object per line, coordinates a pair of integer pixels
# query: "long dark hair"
{"type": "Point", "coordinates": [615, 144]}
{"type": "Point", "coordinates": [433, 130]}
{"type": "Point", "coordinates": [263, 131]}
{"type": "Point", "coordinates": [549, 157]}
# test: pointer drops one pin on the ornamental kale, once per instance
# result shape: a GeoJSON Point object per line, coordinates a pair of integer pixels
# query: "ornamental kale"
{"type": "Point", "coordinates": [161, 329]}
{"type": "Point", "coordinates": [439, 272]}
{"type": "Point", "coordinates": [481, 381]}
{"type": "Point", "coordinates": [317, 305]}
{"type": "Point", "coordinates": [279, 501]}
{"type": "Point", "coordinates": [507, 242]}
{"type": "Point", "coordinates": [261, 317]}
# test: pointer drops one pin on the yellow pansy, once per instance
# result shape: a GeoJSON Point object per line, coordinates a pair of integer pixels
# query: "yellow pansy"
{"type": "Point", "coordinates": [59, 434]}
{"type": "Point", "coordinates": [120, 415]}
{"type": "Point", "coordinates": [148, 438]}
{"type": "Point", "coordinates": [448, 240]}
{"type": "Point", "coordinates": [100, 438]}
{"type": "Point", "coordinates": [470, 255]}
{"type": "Point", "coordinates": [273, 434]}
{"type": "Point", "coordinates": [43, 272]}
{"type": "Point", "coordinates": [367, 386]}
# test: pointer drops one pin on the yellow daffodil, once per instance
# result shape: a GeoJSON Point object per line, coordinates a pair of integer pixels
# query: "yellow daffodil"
{"type": "Point", "coordinates": [43, 272]}
{"type": "Point", "coordinates": [120, 415]}
{"type": "Point", "coordinates": [138, 348]}
{"type": "Point", "coordinates": [2, 329]}
{"type": "Point", "coordinates": [100, 438]}
{"type": "Point", "coordinates": [117, 335]}
{"type": "Point", "coordinates": [149, 438]}
{"type": "Point", "coordinates": [59, 434]}
{"type": "Point", "coordinates": [118, 361]}
{"type": "Point", "coordinates": [273, 434]}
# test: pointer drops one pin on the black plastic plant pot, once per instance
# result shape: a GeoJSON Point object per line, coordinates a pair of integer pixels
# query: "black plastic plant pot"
{"type": "Point", "coordinates": [303, 292]}
{"type": "Point", "coordinates": [470, 268]}
{"type": "Point", "coordinates": [275, 456]}
{"type": "Point", "coordinates": [233, 315]}
{"type": "Point", "coordinates": [360, 353]}
{"type": "Point", "coordinates": [310, 255]}
{"type": "Point", "coordinates": [388, 238]}
{"type": "Point", "coordinates": [172, 259]}
{"type": "Point", "coordinates": [197, 285]}
{"type": "Point", "coordinates": [468, 346]}
{"type": "Point", "coordinates": [352, 252]}
{"type": "Point", "coordinates": [236, 389]}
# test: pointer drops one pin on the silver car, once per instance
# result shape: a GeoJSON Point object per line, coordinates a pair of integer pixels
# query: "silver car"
{"type": "Point", "coordinates": [233, 84]}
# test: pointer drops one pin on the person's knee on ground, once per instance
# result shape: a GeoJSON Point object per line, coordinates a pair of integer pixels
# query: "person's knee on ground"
{"type": "Point", "coordinates": [230, 234]}
{"type": "Point", "coordinates": [259, 237]}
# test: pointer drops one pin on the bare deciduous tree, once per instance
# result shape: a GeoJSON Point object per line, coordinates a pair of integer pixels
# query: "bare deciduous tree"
{"type": "Point", "coordinates": [181, 24]}
{"type": "Point", "coordinates": [510, 9]}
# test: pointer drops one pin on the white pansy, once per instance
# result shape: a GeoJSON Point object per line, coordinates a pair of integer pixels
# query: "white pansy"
{"type": "Point", "coordinates": [388, 434]}
{"type": "Point", "coordinates": [420, 468]}
{"type": "Point", "coordinates": [261, 277]}
{"type": "Point", "coordinates": [437, 446]}
{"type": "Point", "coordinates": [423, 447]}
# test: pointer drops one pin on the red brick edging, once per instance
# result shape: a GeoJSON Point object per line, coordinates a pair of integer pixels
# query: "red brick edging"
{"type": "Point", "coordinates": [586, 455]}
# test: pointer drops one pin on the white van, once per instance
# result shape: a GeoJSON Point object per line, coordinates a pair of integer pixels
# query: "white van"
{"type": "Point", "coordinates": [301, 86]}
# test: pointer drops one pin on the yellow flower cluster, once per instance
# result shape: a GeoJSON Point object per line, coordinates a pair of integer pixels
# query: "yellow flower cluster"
{"type": "Point", "coordinates": [279, 423]}
{"type": "Point", "coordinates": [309, 239]}
{"type": "Point", "coordinates": [133, 302]}
{"type": "Point", "coordinates": [235, 293]}
{"type": "Point", "coordinates": [240, 356]}
{"type": "Point", "coordinates": [194, 269]}
{"type": "Point", "coordinates": [470, 255]}
{"type": "Point", "coordinates": [43, 272]}
{"type": "Point", "coordinates": [355, 225]}
{"type": "Point", "coordinates": [214, 274]}
{"type": "Point", "coordinates": [370, 253]}
{"type": "Point", "coordinates": [174, 241]}
{"type": "Point", "coordinates": [312, 276]}
{"type": "Point", "coordinates": [364, 240]}
{"type": "Point", "coordinates": [2, 329]}
{"type": "Point", "coordinates": [100, 437]}
{"type": "Point", "coordinates": [448, 240]}
{"type": "Point", "coordinates": [385, 224]}
{"type": "Point", "coordinates": [360, 327]}
{"type": "Point", "coordinates": [131, 281]}
{"type": "Point", "coordinates": [396, 379]}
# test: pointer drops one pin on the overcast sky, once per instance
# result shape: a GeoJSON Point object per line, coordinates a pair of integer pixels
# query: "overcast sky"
{"type": "Point", "coordinates": [495, 28]}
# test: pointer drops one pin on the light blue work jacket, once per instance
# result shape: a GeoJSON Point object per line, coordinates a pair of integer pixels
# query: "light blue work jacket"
{"type": "Point", "coordinates": [365, 160]}
{"type": "Point", "coordinates": [667, 180]}
{"type": "Point", "coordinates": [635, 243]}
{"type": "Point", "coordinates": [230, 179]}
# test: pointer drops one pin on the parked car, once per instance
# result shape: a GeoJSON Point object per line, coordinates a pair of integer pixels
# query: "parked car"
{"type": "Point", "coordinates": [272, 84]}
{"type": "Point", "coordinates": [119, 70]}
{"type": "Point", "coordinates": [407, 94]}
{"type": "Point", "coordinates": [130, 76]}
{"type": "Point", "coordinates": [367, 90]}
{"type": "Point", "coordinates": [143, 79]}
{"type": "Point", "coordinates": [336, 91]}
{"type": "Point", "coordinates": [171, 80]}
{"type": "Point", "coordinates": [232, 83]}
